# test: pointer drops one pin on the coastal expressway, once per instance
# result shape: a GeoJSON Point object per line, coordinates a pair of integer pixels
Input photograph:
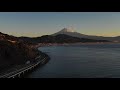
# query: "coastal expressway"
{"type": "Point", "coordinates": [19, 72]}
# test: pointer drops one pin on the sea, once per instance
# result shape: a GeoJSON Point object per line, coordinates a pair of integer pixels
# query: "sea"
{"type": "Point", "coordinates": [80, 61]}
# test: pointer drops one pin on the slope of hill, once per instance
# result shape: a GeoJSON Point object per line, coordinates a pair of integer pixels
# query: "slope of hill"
{"type": "Point", "coordinates": [14, 51]}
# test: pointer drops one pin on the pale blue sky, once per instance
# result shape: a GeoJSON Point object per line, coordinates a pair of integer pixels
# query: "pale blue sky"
{"type": "Point", "coordinates": [42, 23]}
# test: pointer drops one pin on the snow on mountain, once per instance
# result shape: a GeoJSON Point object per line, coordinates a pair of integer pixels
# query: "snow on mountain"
{"type": "Point", "coordinates": [71, 32]}
{"type": "Point", "coordinates": [67, 30]}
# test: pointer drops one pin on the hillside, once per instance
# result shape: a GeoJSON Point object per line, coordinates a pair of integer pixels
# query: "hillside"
{"type": "Point", "coordinates": [14, 51]}
{"type": "Point", "coordinates": [60, 38]}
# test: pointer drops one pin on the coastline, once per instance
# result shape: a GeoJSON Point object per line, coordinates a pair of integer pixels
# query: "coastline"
{"type": "Point", "coordinates": [66, 44]}
{"type": "Point", "coordinates": [41, 59]}
{"type": "Point", "coordinates": [44, 55]}
{"type": "Point", "coordinates": [39, 66]}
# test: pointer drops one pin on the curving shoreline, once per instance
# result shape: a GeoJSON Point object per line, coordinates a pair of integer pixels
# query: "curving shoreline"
{"type": "Point", "coordinates": [42, 55]}
{"type": "Point", "coordinates": [23, 70]}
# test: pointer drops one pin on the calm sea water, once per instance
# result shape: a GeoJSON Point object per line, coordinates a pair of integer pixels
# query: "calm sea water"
{"type": "Point", "coordinates": [81, 61]}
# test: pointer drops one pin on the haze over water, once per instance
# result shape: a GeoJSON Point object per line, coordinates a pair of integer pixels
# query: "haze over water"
{"type": "Point", "coordinates": [81, 61]}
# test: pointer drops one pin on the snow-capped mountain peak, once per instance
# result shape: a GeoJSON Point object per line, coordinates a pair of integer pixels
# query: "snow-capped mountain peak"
{"type": "Point", "coordinates": [67, 30]}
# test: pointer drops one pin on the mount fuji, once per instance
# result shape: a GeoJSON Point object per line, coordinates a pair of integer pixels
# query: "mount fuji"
{"type": "Point", "coordinates": [70, 32]}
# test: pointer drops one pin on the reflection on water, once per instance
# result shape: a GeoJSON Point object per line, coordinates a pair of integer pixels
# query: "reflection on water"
{"type": "Point", "coordinates": [80, 61]}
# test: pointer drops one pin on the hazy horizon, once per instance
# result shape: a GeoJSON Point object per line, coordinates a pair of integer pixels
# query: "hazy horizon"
{"type": "Point", "coordinates": [33, 24]}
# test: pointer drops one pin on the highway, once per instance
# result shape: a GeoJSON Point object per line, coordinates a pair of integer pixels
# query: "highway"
{"type": "Point", "coordinates": [23, 70]}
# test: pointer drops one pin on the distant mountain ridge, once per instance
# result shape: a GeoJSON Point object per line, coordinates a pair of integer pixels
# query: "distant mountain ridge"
{"type": "Point", "coordinates": [7, 37]}
{"type": "Point", "coordinates": [60, 38]}
{"type": "Point", "coordinates": [69, 32]}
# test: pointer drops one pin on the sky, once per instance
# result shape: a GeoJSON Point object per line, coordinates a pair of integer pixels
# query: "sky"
{"type": "Point", "coordinates": [34, 24]}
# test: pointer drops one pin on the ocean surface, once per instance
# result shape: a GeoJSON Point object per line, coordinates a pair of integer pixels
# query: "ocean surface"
{"type": "Point", "coordinates": [80, 61]}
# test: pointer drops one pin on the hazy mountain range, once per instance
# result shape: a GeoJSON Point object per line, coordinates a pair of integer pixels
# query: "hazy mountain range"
{"type": "Point", "coordinates": [63, 36]}
{"type": "Point", "coordinates": [70, 32]}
